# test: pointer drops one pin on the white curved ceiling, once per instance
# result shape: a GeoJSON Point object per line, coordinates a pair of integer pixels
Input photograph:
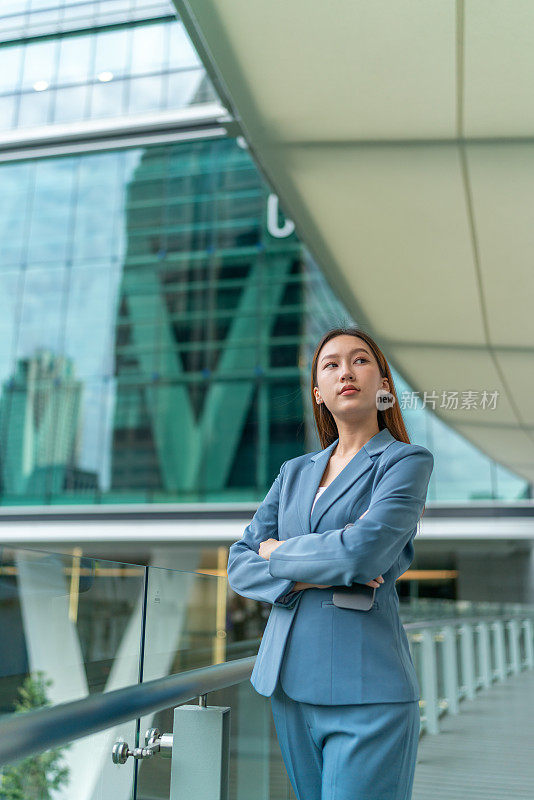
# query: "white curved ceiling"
{"type": "Point", "coordinates": [399, 136]}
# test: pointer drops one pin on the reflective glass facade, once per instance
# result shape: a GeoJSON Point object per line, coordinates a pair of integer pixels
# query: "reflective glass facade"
{"type": "Point", "coordinates": [123, 69]}
{"type": "Point", "coordinates": [159, 312]}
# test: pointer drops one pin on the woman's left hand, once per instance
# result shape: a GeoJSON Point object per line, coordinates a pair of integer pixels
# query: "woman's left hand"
{"type": "Point", "coordinates": [267, 547]}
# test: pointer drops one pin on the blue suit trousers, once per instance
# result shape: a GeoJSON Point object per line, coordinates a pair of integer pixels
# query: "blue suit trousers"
{"type": "Point", "coordinates": [363, 751]}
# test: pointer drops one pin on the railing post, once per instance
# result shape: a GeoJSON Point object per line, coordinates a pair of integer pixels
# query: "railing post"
{"type": "Point", "coordinates": [515, 658]}
{"type": "Point", "coordinates": [529, 647]}
{"type": "Point", "coordinates": [200, 753]}
{"type": "Point", "coordinates": [450, 668]}
{"type": "Point", "coordinates": [467, 658]}
{"type": "Point", "coordinates": [429, 680]}
{"type": "Point", "coordinates": [484, 654]}
{"type": "Point", "coordinates": [498, 639]}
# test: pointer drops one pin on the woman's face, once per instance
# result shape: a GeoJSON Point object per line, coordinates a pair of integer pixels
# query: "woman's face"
{"type": "Point", "coordinates": [348, 360]}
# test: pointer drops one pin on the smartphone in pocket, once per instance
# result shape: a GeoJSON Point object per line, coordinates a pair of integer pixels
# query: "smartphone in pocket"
{"type": "Point", "coordinates": [358, 596]}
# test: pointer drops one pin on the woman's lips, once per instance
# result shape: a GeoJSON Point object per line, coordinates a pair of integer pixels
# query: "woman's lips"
{"type": "Point", "coordinates": [350, 391]}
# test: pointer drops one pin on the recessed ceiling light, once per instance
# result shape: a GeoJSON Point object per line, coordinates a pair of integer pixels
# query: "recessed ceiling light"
{"type": "Point", "coordinates": [40, 86]}
{"type": "Point", "coordinates": [105, 76]}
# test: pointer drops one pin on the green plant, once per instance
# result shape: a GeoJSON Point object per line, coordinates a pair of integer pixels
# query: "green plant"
{"type": "Point", "coordinates": [35, 777]}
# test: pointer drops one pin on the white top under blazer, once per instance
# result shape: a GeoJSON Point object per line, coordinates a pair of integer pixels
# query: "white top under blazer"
{"type": "Point", "coordinates": [320, 490]}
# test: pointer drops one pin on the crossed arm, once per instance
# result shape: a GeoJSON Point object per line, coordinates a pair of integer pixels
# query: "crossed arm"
{"type": "Point", "coordinates": [248, 572]}
{"type": "Point", "coordinates": [355, 553]}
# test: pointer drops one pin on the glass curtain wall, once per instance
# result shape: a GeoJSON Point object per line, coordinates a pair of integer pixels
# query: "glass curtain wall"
{"type": "Point", "coordinates": [122, 70]}
{"type": "Point", "coordinates": [158, 321]}
{"type": "Point", "coordinates": [159, 311]}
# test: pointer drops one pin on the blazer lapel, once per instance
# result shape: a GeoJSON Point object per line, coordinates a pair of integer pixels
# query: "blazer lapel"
{"type": "Point", "coordinates": [309, 478]}
{"type": "Point", "coordinates": [312, 473]}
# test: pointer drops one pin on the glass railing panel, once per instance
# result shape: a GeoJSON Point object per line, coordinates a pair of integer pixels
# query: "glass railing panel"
{"type": "Point", "coordinates": [78, 626]}
{"type": "Point", "coordinates": [256, 769]}
{"type": "Point", "coordinates": [74, 629]}
{"type": "Point", "coordinates": [180, 634]}
{"type": "Point", "coordinates": [194, 619]}
{"type": "Point", "coordinates": [185, 622]}
{"type": "Point", "coordinates": [80, 770]}
{"type": "Point", "coordinates": [76, 619]}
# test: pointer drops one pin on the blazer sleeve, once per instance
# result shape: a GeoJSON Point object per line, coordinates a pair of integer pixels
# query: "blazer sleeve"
{"type": "Point", "coordinates": [367, 548]}
{"type": "Point", "coordinates": [248, 573]}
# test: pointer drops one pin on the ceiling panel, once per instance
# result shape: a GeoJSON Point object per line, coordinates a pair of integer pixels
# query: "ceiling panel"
{"type": "Point", "coordinates": [502, 188]}
{"type": "Point", "coordinates": [518, 371]}
{"type": "Point", "coordinates": [468, 373]}
{"type": "Point", "coordinates": [350, 82]}
{"type": "Point", "coordinates": [394, 222]}
{"type": "Point", "coordinates": [498, 56]}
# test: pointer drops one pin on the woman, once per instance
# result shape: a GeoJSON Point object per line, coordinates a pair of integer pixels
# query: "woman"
{"type": "Point", "coordinates": [342, 684]}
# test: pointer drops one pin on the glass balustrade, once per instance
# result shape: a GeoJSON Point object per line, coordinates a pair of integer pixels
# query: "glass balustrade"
{"type": "Point", "coordinates": [74, 626]}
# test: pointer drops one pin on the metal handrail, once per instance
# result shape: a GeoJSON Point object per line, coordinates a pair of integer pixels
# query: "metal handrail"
{"type": "Point", "coordinates": [440, 622]}
{"type": "Point", "coordinates": [36, 731]}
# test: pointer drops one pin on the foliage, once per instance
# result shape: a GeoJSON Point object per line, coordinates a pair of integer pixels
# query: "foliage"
{"type": "Point", "coordinates": [35, 777]}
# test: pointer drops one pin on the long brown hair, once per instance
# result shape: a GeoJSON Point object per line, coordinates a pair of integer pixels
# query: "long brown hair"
{"type": "Point", "coordinates": [391, 418]}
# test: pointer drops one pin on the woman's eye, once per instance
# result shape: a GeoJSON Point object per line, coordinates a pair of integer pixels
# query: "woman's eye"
{"type": "Point", "coordinates": [360, 358]}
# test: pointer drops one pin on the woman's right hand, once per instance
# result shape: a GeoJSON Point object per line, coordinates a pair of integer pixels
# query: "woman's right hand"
{"type": "Point", "coordinates": [299, 585]}
{"type": "Point", "coordinates": [375, 582]}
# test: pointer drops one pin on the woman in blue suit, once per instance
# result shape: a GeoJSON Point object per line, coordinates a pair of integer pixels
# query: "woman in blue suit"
{"type": "Point", "coordinates": [341, 681]}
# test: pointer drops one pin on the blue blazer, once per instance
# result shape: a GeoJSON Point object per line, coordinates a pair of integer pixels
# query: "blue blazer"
{"type": "Point", "coordinates": [324, 654]}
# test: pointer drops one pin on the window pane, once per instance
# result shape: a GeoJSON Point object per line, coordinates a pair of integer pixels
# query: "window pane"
{"type": "Point", "coordinates": [14, 6]}
{"type": "Point", "coordinates": [145, 94]}
{"type": "Point", "coordinates": [10, 63]}
{"type": "Point", "coordinates": [11, 284]}
{"type": "Point", "coordinates": [7, 112]}
{"type": "Point", "coordinates": [71, 104]}
{"type": "Point", "coordinates": [74, 56]}
{"type": "Point", "coordinates": [34, 109]}
{"type": "Point", "coordinates": [107, 99]}
{"type": "Point", "coordinates": [14, 210]}
{"type": "Point", "coordinates": [182, 88]}
{"type": "Point", "coordinates": [182, 52]}
{"type": "Point", "coordinates": [50, 230]}
{"type": "Point", "coordinates": [147, 48]}
{"type": "Point", "coordinates": [111, 52]}
{"type": "Point", "coordinates": [41, 319]}
{"type": "Point", "coordinates": [39, 62]}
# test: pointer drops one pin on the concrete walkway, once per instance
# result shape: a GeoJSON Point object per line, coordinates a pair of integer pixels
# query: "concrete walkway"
{"type": "Point", "coordinates": [486, 752]}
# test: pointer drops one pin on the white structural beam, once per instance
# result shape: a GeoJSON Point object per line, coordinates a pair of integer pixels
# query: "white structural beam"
{"type": "Point", "coordinates": [474, 521]}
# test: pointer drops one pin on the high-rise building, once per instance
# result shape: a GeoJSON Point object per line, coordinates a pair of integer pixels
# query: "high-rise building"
{"type": "Point", "coordinates": [40, 427]}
